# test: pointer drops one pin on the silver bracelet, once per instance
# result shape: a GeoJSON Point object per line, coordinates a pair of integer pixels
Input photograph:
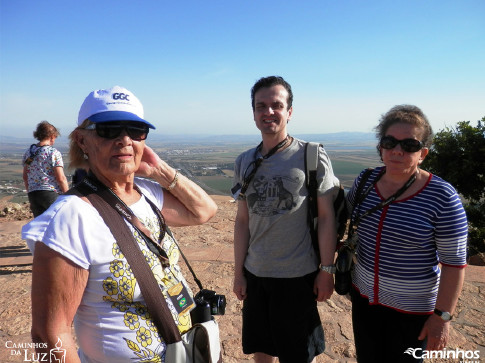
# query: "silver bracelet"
{"type": "Point", "coordinates": [174, 181]}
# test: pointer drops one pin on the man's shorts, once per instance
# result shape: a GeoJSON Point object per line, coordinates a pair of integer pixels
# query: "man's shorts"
{"type": "Point", "coordinates": [280, 318]}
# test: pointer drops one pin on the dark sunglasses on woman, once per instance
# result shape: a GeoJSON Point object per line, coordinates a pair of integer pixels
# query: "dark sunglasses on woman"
{"type": "Point", "coordinates": [111, 130]}
{"type": "Point", "coordinates": [408, 145]}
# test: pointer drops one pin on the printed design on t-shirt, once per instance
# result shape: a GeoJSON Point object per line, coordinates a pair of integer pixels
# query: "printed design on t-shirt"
{"type": "Point", "coordinates": [144, 340]}
{"type": "Point", "coordinates": [272, 195]}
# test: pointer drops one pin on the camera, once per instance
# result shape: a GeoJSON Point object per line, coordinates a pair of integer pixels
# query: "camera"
{"type": "Point", "coordinates": [207, 303]}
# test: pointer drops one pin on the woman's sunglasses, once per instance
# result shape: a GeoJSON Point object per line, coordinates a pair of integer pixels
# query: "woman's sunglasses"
{"type": "Point", "coordinates": [408, 145]}
{"type": "Point", "coordinates": [111, 130]}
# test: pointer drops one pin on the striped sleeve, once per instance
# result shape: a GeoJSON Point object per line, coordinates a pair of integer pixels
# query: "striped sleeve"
{"type": "Point", "coordinates": [451, 226]}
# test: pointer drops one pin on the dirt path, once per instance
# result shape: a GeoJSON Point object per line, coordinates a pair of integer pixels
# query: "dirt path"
{"type": "Point", "coordinates": [209, 249]}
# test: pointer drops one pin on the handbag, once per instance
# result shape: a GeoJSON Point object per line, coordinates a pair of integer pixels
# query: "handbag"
{"type": "Point", "coordinates": [346, 253]}
{"type": "Point", "coordinates": [201, 343]}
{"type": "Point", "coordinates": [346, 257]}
{"type": "Point", "coordinates": [198, 345]}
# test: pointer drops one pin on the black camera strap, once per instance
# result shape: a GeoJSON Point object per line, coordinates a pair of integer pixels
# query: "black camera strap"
{"type": "Point", "coordinates": [93, 185]}
{"type": "Point", "coordinates": [383, 203]}
{"type": "Point", "coordinates": [257, 162]}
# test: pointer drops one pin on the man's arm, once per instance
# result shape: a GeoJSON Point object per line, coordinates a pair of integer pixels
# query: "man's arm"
{"type": "Point", "coordinates": [241, 245]}
{"type": "Point", "coordinates": [327, 238]}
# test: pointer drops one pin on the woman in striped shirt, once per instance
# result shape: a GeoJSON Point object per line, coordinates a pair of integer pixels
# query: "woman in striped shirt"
{"type": "Point", "coordinates": [411, 253]}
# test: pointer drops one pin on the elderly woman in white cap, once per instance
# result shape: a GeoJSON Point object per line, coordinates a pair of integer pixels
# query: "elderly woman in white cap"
{"type": "Point", "coordinates": [79, 273]}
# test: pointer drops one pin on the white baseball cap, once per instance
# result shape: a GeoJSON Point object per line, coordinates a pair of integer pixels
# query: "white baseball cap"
{"type": "Point", "coordinates": [112, 104]}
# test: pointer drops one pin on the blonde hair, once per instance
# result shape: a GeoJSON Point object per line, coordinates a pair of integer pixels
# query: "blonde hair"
{"type": "Point", "coordinates": [76, 154]}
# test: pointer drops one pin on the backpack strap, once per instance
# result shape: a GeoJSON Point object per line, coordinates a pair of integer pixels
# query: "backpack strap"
{"type": "Point", "coordinates": [339, 204]}
{"type": "Point", "coordinates": [359, 197]}
{"type": "Point", "coordinates": [33, 154]}
{"type": "Point", "coordinates": [311, 161]}
{"type": "Point", "coordinates": [311, 164]}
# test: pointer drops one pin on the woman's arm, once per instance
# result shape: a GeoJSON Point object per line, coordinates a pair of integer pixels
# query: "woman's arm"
{"type": "Point", "coordinates": [57, 288]}
{"type": "Point", "coordinates": [186, 203]}
{"type": "Point", "coordinates": [61, 178]}
{"type": "Point", "coordinates": [435, 328]}
{"type": "Point", "coordinates": [26, 178]}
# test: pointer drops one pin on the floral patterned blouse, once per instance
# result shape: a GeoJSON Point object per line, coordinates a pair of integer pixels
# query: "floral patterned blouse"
{"type": "Point", "coordinates": [40, 172]}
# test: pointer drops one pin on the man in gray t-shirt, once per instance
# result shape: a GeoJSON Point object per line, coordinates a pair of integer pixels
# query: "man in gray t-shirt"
{"type": "Point", "coordinates": [277, 271]}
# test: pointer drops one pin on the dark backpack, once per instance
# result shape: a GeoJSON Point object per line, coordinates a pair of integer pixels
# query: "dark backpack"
{"type": "Point", "coordinates": [339, 203]}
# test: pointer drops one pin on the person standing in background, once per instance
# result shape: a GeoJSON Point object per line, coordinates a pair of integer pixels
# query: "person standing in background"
{"type": "Point", "coordinates": [43, 173]}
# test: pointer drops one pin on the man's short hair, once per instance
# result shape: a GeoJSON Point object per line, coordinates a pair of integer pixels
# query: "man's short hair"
{"type": "Point", "coordinates": [267, 82]}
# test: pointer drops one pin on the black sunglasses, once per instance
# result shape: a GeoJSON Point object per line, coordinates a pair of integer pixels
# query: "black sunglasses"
{"type": "Point", "coordinates": [408, 145]}
{"type": "Point", "coordinates": [111, 130]}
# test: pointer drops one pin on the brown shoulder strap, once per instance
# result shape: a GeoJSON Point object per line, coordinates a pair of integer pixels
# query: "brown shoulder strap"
{"type": "Point", "coordinates": [156, 303]}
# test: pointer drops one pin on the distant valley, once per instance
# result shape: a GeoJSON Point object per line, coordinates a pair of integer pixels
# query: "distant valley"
{"type": "Point", "coordinates": [206, 159]}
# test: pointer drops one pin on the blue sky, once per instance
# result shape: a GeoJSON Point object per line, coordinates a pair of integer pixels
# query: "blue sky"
{"type": "Point", "coordinates": [192, 63]}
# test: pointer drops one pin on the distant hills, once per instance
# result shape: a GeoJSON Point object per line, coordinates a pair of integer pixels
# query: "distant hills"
{"type": "Point", "coordinates": [339, 137]}
{"type": "Point", "coordinates": [16, 144]}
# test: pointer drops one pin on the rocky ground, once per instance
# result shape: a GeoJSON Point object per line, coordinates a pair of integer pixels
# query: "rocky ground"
{"type": "Point", "coordinates": [209, 249]}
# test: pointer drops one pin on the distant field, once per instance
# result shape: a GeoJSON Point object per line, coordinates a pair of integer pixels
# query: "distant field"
{"type": "Point", "coordinates": [341, 167]}
{"type": "Point", "coordinates": [347, 164]}
{"type": "Point", "coordinates": [10, 168]}
{"type": "Point", "coordinates": [219, 183]}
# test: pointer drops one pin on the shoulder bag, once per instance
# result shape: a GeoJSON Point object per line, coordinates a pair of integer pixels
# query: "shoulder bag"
{"type": "Point", "coordinates": [201, 344]}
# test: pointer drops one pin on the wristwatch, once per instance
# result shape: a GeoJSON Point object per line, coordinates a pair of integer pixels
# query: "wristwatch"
{"type": "Point", "coordinates": [330, 269]}
{"type": "Point", "coordinates": [446, 316]}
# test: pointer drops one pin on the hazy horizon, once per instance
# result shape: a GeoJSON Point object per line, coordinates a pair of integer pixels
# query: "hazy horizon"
{"type": "Point", "coordinates": [358, 138]}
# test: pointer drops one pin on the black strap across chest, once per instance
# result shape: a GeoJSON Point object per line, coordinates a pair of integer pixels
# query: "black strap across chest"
{"type": "Point", "coordinates": [92, 185]}
{"type": "Point", "coordinates": [360, 197]}
{"type": "Point", "coordinates": [258, 160]}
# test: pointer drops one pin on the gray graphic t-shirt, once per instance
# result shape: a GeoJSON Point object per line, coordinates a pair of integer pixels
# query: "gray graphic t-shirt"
{"type": "Point", "coordinates": [280, 243]}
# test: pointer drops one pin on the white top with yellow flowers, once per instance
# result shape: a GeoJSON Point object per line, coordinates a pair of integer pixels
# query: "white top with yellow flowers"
{"type": "Point", "coordinates": [112, 322]}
